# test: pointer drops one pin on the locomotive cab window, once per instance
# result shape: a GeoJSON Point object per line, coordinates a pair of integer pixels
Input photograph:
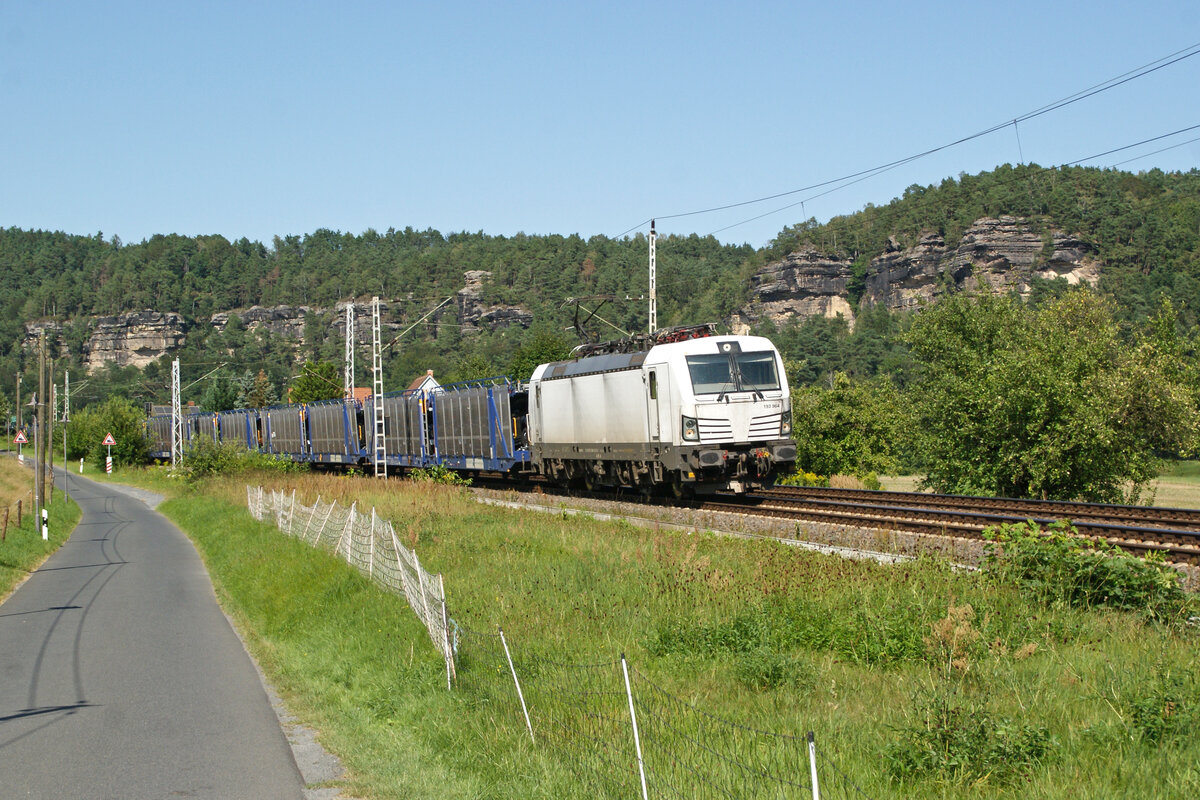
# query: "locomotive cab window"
{"type": "Point", "coordinates": [757, 371]}
{"type": "Point", "coordinates": [711, 374]}
{"type": "Point", "coordinates": [653, 385]}
{"type": "Point", "coordinates": [733, 372]}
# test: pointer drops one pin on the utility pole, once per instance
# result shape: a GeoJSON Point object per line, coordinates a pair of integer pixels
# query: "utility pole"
{"type": "Point", "coordinates": [66, 417]}
{"type": "Point", "coordinates": [39, 467]}
{"type": "Point", "coordinates": [50, 435]}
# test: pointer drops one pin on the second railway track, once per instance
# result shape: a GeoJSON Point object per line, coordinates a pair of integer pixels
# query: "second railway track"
{"type": "Point", "coordinates": [1175, 533]}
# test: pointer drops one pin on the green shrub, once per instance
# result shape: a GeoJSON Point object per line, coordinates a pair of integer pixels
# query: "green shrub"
{"type": "Point", "coordinates": [1163, 706]}
{"type": "Point", "coordinates": [1057, 566]}
{"type": "Point", "coordinates": [802, 478]}
{"type": "Point", "coordinates": [964, 744]}
{"type": "Point", "coordinates": [207, 456]}
{"type": "Point", "coordinates": [438, 474]}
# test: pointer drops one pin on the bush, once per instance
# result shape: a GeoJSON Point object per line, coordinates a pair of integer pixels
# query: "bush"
{"type": "Point", "coordinates": [802, 478]}
{"type": "Point", "coordinates": [1057, 566]}
{"type": "Point", "coordinates": [1163, 706]}
{"type": "Point", "coordinates": [210, 457]}
{"type": "Point", "coordinates": [118, 416]}
{"type": "Point", "coordinates": [965, 744]}
{"type": "Point", "coordinates": [438, 474]}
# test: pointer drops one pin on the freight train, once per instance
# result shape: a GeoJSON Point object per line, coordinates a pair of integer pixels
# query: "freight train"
{"type": "Point", "coordinates": [682, 410]}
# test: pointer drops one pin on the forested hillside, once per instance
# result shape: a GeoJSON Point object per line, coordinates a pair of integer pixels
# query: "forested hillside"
{"type": "Point", "coordinates": [1145, 229]}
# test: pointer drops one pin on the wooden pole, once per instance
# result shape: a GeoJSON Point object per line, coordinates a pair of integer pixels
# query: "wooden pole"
{"type": "Point", "coordinates": [50, 437]}
{"type": "Point", "coordinates": [4, 535]}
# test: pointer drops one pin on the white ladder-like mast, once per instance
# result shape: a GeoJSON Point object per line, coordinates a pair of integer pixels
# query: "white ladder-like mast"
{"type": "Point", "coordinates": [349, 381]}
{"type": "Point", "coordinates": [176, 417]}
{"type": "Point", "coordinates": [653, 280]}
{"type": "Point", "coordinates": [380, 448]}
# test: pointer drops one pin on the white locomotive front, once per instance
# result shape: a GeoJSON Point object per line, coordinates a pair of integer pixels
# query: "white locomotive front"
{"type": "Point", "coordinates": [702, 414]}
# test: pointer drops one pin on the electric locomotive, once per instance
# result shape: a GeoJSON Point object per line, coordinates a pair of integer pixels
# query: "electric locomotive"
{"type": "Point", "coordinates": [682, 408]}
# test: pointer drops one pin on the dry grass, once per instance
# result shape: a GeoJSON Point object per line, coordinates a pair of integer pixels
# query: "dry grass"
{"type": "Point", "coordinates": [1177, 493]}
{"type": "Point", "coordinates": [16, 482]}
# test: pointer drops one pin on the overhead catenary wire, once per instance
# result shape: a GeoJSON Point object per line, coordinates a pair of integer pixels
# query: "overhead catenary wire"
{"type": "Point", "coordinates": [1066, 164]}
{"type": "Point", "coordinates": [1083, 94]}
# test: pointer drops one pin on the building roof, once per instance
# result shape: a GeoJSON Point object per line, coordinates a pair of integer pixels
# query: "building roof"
{"type": "Point", "coordinates": [424, 382]}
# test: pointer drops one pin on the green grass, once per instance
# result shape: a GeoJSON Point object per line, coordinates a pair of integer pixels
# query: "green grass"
{"type": "Point", "coordinates": [1183, 469]}
{"type": "Point", "coordinates": [23, 549]}
{"type": "Point", "coordinates": [879, 661]}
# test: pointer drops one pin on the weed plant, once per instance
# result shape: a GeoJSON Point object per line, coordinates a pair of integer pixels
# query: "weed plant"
{"type": "Point", "coordinates": [919, 681]}
{"type": "Point", "coordinates": [1057, 566]}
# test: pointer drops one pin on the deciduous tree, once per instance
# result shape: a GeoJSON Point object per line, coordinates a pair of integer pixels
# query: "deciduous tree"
{"type": "Point", "coordinates": [1049, 402]}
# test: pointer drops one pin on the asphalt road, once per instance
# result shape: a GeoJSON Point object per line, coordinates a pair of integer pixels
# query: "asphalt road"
{"type": "Point", "coordinates": [121, 678]}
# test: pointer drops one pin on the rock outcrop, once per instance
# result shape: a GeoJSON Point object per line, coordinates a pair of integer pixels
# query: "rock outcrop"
{"type": "Point", "coordinates": [141, 337]}
{"type": "Point", "coordinates": [474, 315]}
{"type": "Point", "coordinates": [998, 254]}
{"type": "Point", "coordinates": [133, 339]}
{"type": "Point", "coordinates": [285, 321]}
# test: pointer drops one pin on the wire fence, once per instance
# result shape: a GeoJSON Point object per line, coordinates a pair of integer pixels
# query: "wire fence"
{"type": "Point", "coordinates": [368, 544]}
{"type": "Point", "coordinates": [622, 734]}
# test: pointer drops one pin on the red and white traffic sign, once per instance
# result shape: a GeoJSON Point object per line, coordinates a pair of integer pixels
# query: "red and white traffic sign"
{"type": "Point", "coordinates": [20, 438]}
{"type": "Point", "coordinates": [109, 441]}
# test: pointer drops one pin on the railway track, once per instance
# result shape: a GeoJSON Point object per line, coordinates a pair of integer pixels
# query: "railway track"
{"type": "Point", "coordinates": [1137, 529]}
{"type": "Point", "coordinates": [1173, 532]}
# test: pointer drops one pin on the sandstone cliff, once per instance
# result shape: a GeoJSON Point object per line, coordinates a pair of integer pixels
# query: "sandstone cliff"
{"type": "Point", "coordinates": [141, 337]}
{"type": "Point", "coordinates": [1002, 254]}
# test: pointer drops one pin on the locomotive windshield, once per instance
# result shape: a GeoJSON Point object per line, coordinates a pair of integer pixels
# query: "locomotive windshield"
{"type": "Point", "coordinates": [733, 372]}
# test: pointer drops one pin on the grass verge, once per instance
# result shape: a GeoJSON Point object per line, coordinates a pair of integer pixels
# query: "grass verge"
{"type": "Point", "coordinates": [23, 550]}
{"type": "Point", "coordinates": [920, 682]}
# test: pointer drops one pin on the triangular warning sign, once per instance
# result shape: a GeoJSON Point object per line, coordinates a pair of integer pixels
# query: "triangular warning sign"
{"type": "Point", "coordinates": [109, 440]}
{"type": "Point", "coordinates": [20, 438]}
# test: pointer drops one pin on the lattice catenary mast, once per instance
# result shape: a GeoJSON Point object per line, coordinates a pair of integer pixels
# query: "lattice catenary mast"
{"type": "Point", "coordinates": [349, 382]}
{"type": "Point", "coordinates": [653, 281]}
{"type": "Point", "coordinates": [380, 448]}
{"type": "Point", "coordinates": [176, 417]}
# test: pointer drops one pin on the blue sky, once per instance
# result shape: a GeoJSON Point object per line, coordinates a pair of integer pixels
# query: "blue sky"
{"type": "Point", "coordinates": [270, 118]}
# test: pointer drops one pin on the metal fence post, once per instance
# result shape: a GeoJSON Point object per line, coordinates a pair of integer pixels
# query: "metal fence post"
{"type": "Point", "coordinates": [812, 765]}
{"type": "Point", "coordinates": [308, 522]}
{"type": "Point", "coordinates": [451, 672]}
{"type": "Point", "coordinates": [520, 694]}
{"type": "Point", "coordinates": [349, 527]}
{"type": "Point", "coordinates": [371, 546]}
{"type": "Point", "coordinates": [421, 585]}
{"type": "Point", "coordinates": [637, 742]}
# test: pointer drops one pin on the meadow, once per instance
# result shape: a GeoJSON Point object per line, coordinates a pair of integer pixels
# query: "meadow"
{"type": "Point", "coordinates": [919, 681]}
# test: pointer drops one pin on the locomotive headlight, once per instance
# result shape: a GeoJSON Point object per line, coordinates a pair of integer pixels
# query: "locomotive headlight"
{"type": "Point", "coordinates": [691, 430]}
{"type": "Point", "coordinates": [785, 423]}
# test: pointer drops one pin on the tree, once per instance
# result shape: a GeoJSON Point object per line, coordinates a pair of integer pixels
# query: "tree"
{"type": "Point", "coordinates": [1047, 402]}
{"type": "Point", "coordinates": [256, 392]}
{"type": "Point", "coordinates": [317, 381]}
{"type": "Point", "coordinates": [118, 416]}
{"type": "Point", "coordinates": [221, 394]}
{"type": "Point", "coordinates": [850, 429]}
{"type": "Point", "coordinates": [541, 345]}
